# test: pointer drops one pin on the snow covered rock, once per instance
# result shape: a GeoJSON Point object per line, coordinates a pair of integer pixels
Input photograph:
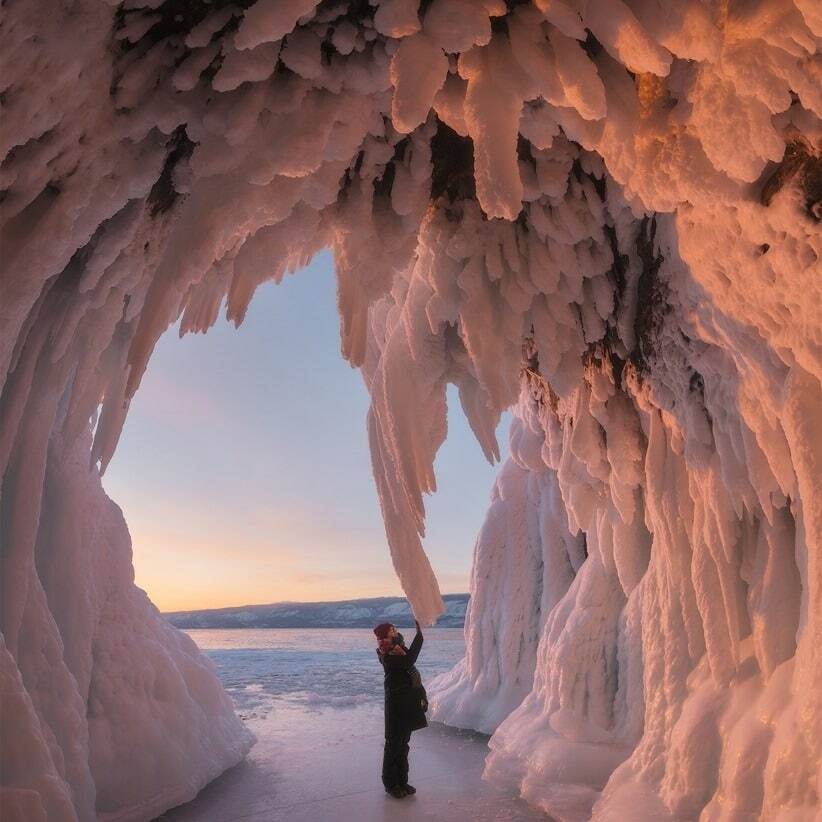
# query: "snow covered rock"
{"type": "Point", "coordinates": [602, 214]}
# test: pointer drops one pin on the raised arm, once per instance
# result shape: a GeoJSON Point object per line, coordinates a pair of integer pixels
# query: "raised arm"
{"type": "Point", "coordinates": [416, 645]}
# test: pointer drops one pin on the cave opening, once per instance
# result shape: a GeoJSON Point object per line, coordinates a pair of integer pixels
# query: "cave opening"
{"type": "Point", "coordinates": [244, 460]}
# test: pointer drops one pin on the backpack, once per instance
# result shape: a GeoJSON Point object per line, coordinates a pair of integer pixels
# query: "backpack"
{"type": "Point", "coordinates": [418, 688]}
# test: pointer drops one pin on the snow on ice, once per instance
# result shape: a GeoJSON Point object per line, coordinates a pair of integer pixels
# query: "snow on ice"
{"type": "Point", "coordinates": [602, 214]}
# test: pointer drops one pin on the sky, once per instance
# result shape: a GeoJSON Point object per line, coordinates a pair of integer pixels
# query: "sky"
{"type": "Point", "coordinates": [243, 469]}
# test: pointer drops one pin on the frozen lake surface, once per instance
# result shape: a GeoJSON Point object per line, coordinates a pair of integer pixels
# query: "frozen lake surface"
{"type": "Point", "coordinates": [265, 668]}
{"type": "Point", "coordinates": [313, 698]}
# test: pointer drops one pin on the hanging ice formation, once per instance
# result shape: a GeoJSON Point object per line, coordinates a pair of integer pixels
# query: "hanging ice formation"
{"type": "Point", "coordinates": [604, 213]}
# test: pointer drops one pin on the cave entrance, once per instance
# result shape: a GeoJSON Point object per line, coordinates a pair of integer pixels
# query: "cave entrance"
{"type": "Point", "coordinates": [244, 474]}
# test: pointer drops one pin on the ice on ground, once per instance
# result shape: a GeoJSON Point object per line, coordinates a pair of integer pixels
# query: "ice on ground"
{"type": "Point", "coordinates": [312, 667]}
{"type": "Point", "coordinates": [324, 766]}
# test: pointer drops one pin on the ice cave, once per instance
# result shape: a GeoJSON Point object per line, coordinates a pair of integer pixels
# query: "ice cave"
{"type": "Point", "coordinates": [601, 214]}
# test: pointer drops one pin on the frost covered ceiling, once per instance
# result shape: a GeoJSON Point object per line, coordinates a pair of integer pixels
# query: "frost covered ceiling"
{"type": "Point", "coordinates": [600, 210]}
{"type": "Point", "coordinates": [481, 167]}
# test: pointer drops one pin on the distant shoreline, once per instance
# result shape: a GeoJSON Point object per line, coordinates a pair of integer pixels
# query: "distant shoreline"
{"type": "Point", "coordinates": [349, 613]}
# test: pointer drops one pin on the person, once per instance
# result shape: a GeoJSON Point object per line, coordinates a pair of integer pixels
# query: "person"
{"type": "Point", "coordinates": [405, 704]}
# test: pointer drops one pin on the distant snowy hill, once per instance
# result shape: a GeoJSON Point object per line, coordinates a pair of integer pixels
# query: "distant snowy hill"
{"type": "Point", "coordinates": [352, 613]}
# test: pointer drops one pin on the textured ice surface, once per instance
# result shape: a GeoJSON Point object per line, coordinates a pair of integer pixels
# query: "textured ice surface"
{"type": "Point", "coordinates": [312, 667]}
{"type": "Point", "coordinates": [317, 758]}
{"type": "Point", "coordinates": [323, 765]}
{"type": "Point", "coordinates": [602, 212]}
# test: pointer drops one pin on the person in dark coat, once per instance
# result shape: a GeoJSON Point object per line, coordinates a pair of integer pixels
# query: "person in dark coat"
{"type": "Point", "coordinates": [405, 704]}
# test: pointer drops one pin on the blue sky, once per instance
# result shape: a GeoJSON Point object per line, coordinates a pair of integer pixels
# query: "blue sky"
{"type": "Point", "coordinates": [243, 469]}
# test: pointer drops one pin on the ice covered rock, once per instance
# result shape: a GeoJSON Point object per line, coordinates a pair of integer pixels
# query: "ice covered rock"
{"type": "Point", "coordinates": [397, 18]}
{"type": "Point", "coordinates": [418, 70]}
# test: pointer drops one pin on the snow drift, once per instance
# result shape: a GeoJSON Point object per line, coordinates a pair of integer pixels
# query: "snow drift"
{"type": "Point", "coordinates": [603, 214]}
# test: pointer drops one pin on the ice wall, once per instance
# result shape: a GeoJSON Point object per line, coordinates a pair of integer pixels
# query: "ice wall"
{"type": "Point", "coordinates": [108, 712]}
{"type": "Point", "coordinates": [603, 213]}
{"type": "Point", "coordinates": [670, 677]}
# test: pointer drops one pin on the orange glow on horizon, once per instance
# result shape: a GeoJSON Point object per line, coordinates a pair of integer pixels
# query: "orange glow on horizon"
{"type": "Point", "coordinates": [195, 569]}
{"type": "Point", "coordinates": [254, 589]}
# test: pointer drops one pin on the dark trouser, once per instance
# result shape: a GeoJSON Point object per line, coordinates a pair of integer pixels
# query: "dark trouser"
{"type": "Point", "coordinates": [395, 759]}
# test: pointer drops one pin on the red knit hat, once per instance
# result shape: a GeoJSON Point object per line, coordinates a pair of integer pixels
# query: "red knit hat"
{"type": "Point", "coordinates": [381, 631]}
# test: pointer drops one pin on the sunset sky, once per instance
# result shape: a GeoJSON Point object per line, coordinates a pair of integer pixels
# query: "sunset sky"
{"type": "Point", "coordinates": [243, 470]}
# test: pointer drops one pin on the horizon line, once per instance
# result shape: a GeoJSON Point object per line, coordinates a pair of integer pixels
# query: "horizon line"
{"type": "Point", "coordinates": [299, 602]}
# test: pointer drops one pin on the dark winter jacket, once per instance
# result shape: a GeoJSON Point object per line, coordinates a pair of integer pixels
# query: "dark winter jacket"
{"type": "Point", "coordinates": [405, 698]}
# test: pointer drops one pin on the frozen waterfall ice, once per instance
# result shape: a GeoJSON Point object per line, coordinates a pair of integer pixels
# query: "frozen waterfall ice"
{"type": "Point", "coordinates": [604, 214]}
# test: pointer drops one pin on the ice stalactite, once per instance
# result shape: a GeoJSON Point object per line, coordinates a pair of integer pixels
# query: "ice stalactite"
{"type": "Point", "coordinates": [604, 214]}
{"type": "Point", "coordinates": [670, 677]}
